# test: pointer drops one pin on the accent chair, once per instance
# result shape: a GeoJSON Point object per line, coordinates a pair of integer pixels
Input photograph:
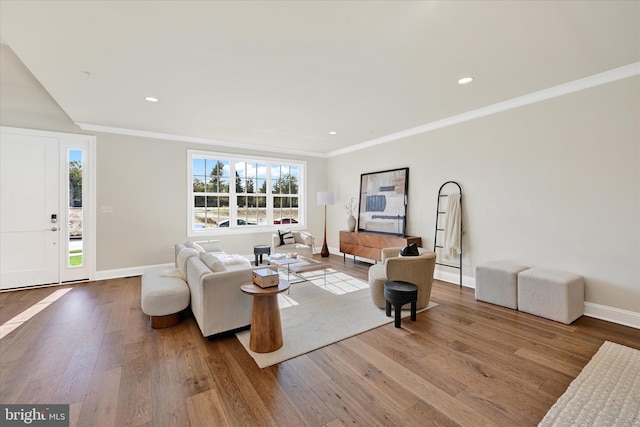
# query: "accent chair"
{"type": "Point", "coordinates": [417, 270]}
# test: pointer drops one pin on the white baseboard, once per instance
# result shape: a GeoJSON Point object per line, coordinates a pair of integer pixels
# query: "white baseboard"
{"type": "Point", "coordinates": [446, 276]}
{"type": "Point", "coordinates": [612, 314]}
{"type": "Point", "coordinates": [128, 272]}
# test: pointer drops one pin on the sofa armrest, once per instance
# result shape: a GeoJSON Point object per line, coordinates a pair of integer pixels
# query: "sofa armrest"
{"type": "Point", "coordinates": [303, 237]}
{"type": "Point", "coordinates": [275, 237]}
{"type": "Point", "coordinates": [224, 306]}
{"type": "Point", "coordinates": [390, 253]}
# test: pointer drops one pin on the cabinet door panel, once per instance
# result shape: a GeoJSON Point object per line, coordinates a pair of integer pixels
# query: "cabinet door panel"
{"type": "Point", "coordinates": [367, 252]}
{"type": "Point", "coordinates": [369, 240]}
{"type": "Point", "coordinates": [348, 237]}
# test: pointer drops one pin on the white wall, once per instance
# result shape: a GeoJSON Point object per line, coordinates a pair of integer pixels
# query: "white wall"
{"type": "Point", "coordinates": [145, 181]}
{"type": "Point", "coordinates": [554, 184]}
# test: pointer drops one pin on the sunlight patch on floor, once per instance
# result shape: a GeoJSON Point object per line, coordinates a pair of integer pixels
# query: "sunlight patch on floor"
{"type": "Point", "coordinates": [10, 325]}
{"type": "Point", "coordinates": [328, 280]}
{"type": "Point", "coordinates": [335, 282]}
{"type": "Point", "coordinates": [285, 301]}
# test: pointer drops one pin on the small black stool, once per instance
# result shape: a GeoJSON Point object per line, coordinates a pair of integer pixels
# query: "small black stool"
{"type": "Point", "coordinates": [400, 293]}
{"type": "Point", "coordinates": [258, 250]}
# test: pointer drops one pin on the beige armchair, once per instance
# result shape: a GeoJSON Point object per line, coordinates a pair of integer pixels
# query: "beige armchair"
{"type": "Point", "coordinates": [412, 269]}
{"type": "Point", "coordinates": [303, 244]}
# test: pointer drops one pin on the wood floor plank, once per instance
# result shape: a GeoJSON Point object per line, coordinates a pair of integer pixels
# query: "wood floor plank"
{"type": "Point", "coordinates": [135, 397]}
{"type": "Point", "coordinates": [308, 372]}
{"type": "Point", "coordinates": [473, 344]}
{"type": "Point", "coordinates": [563, 366]}
{"type": "Point", "coordinates": [205, 409]}
{"type": "Point", "coordinates": [267, 383]}
{"type": "Point", "coordinates": [423, 388]}
{"type": "Point", "coordinates": [344, 406]}
{"type": "Point", "coordinates": [167, 399]}
{"type": "Point", "coordinates": [373, 376]}
{"type": "Point", "coordinates": [100, 404]}
{"type": "Point", "coordinates": [76, 378]}
{"type": "Point", "coordinates": [462, 363]}
{"type": "Point", "coordinates": [384, 408]}
{"type": "Point", "coordinates": [237, 395]}
{"type": "Point", "coordinates": [191, 361]}
{"type": "Point", "coordinates": [304, 401]}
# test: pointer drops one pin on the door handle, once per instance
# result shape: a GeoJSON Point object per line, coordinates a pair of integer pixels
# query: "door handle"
{"type": "Point", "coordinates": [54, 229]}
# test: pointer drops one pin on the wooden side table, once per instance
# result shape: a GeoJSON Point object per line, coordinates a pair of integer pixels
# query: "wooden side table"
{"type": "Point", "coordinates": [266, 329]}
{"type": "Point", "coordinates": [399, 293]}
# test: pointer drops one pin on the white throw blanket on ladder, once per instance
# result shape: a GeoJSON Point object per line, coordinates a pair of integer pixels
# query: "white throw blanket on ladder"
{"type": "Point", "coordinates": [452, 222]}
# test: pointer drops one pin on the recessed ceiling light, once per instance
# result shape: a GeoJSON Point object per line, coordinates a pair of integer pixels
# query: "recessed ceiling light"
{"type": "Point", "coordinates": [150, 99]}
{"type": "Point", "coordinates": [333, 132]}
{"type": "Point", "coordinates": [465, 80]}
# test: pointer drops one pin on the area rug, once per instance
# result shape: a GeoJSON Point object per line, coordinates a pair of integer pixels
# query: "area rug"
{"type": "Point", "coordinates": [606, 393]}
{"type": "Point", "coordinates": [315, 314]}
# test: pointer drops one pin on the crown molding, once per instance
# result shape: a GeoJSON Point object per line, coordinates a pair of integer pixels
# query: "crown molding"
{"type": "Point", "coordinates": [605, 77]}
{"type": "Point", "coordinates": [183, 138]}
{"type": "Point", "coordinates": [531, 98]}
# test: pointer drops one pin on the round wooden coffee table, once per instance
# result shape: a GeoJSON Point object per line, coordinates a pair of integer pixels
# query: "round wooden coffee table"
{"type": "Point", "coordinates": [266, 329]}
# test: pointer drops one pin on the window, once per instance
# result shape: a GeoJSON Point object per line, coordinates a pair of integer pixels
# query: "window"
{"type": "Point", "coordinates": [75, 175]}
{"type": "Point", "coordinates": [231, 192]}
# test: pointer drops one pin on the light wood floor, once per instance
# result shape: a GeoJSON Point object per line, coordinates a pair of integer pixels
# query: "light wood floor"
{"type": "Point", "coordinates": [462, 363]}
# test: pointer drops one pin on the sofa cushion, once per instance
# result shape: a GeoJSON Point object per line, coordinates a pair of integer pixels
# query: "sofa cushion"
{"type": "Point", "coordinates": [183, 257]}
{"type": "Point", "coordinates": [194, 245]}
{"type": "Point", "coordinates": [233, 259]}
{"type": "Point", "coordinates": [213, 262]}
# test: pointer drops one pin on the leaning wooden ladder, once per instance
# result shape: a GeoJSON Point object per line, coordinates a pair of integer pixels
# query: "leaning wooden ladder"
{"type": "Point", "coordinates": [440, 228]}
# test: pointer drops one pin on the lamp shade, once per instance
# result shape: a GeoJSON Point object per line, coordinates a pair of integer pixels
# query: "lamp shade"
{"type": "Point", "coordinates": [326, 198]}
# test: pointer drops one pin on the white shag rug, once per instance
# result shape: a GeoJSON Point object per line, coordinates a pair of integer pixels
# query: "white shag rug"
{"type": "Point", "coordinates": [606, 393]}
{"type": "Point", "coordinates": [315, 314]}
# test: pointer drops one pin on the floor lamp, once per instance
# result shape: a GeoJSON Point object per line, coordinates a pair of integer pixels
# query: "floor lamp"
{"type": "Point", "coordinates": [325, 198]}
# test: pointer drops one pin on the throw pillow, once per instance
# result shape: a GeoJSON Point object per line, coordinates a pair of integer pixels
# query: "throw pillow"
{"type": "Point", "coordinates": [287, 238]}
{"type": "Point", "coordinates": [281, 233]}
{"type": "Point", "coordinates": [411, 250]}
{"type": "Point", "coordinates": [213, 262]}
{"type": "Point", "coordinates": [173, 272]}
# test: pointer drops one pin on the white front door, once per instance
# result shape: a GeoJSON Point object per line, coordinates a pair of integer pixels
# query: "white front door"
{"type": "Point", "coordinates": [47, 214]}
{"type": "Point", "coordinates": [29, 240]}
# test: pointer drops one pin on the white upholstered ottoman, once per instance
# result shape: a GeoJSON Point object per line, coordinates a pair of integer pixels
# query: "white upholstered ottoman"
{"type": "Point", "coordinates": [497, 283]}
{"type": "Point", "coordinates": [163, 298]}
{"type": "Point", "coordinates": [554, 295]}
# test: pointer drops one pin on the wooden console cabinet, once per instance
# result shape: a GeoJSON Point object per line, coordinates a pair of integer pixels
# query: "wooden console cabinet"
{"type": "Point", "coordinates": [369, 245]}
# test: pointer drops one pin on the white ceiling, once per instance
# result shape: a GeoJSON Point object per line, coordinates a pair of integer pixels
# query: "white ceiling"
{"type": "Point", "coordinates": [282, 74]}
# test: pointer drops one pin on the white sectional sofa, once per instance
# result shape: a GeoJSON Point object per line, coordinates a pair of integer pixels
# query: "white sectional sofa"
{"type": "Point", "coordinates": [214, 280]}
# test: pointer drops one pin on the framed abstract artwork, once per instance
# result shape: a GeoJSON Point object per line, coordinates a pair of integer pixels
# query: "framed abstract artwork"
{"type": "Point", "coordinates": [383, 202]}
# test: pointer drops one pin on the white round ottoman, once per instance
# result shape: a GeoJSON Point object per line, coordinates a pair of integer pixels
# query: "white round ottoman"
{"type": "Point", "coordinates": [163, 298]}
